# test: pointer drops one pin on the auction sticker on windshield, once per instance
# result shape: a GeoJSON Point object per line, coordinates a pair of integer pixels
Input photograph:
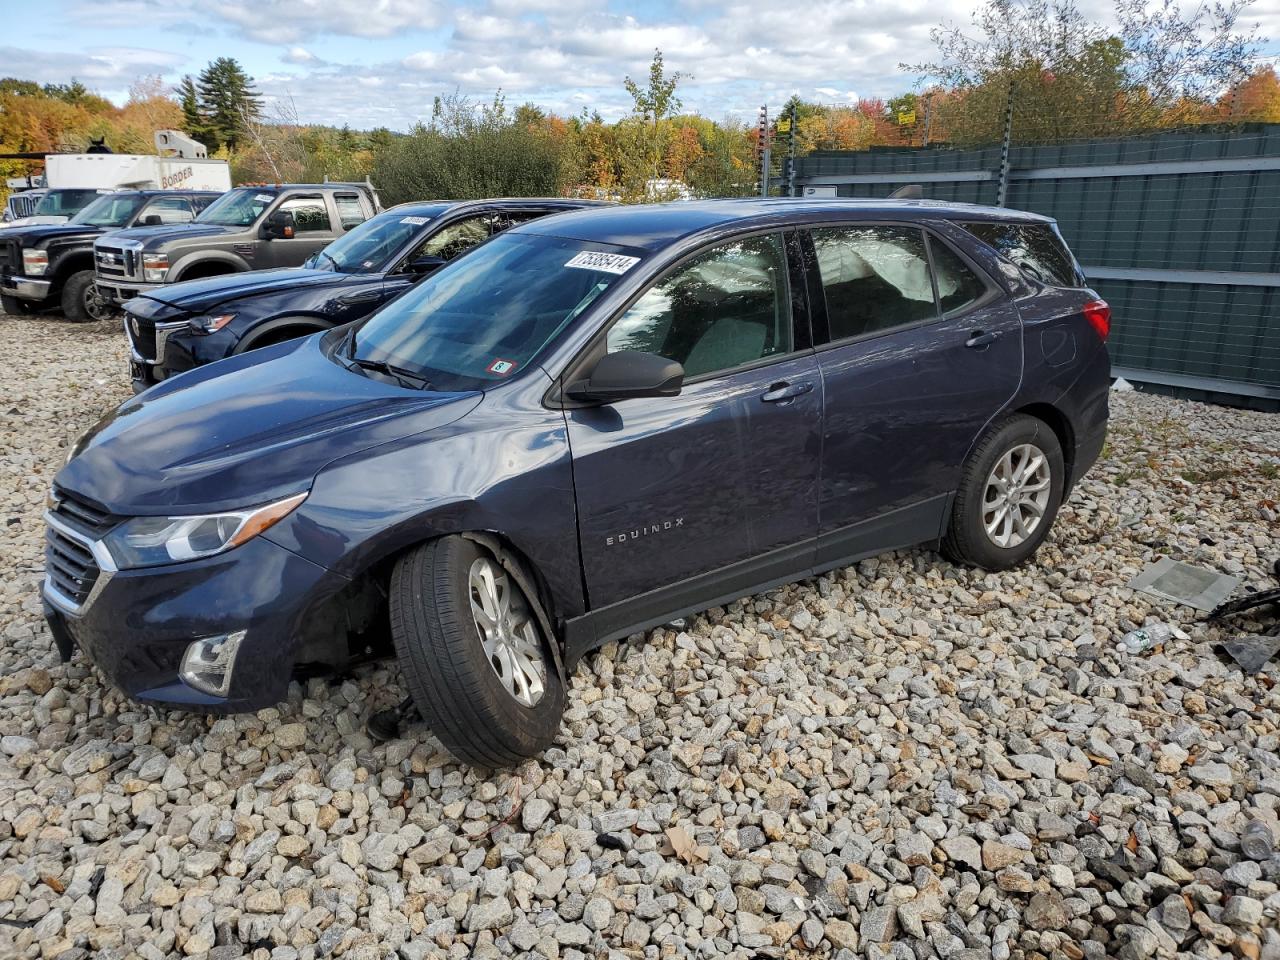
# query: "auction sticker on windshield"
{"type": "Point", "coordinates": [263, 197]}
{"type": "Point", "coordinates": [606, 262]}
{"type": "Point", "coordinates": [501, 367]}
{"type": "Point", "coordinates": [416, 221]}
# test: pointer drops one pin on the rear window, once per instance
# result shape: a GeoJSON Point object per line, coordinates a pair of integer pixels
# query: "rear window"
{"type": "Point", "coordinates": [1036, 248]}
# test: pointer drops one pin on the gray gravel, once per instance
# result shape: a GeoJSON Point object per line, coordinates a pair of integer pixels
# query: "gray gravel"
{"type": "Point", "coordinates": [898, 759]}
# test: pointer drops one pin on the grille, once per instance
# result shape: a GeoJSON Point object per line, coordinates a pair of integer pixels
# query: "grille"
{"type": "Point", "coordinates": [83, 516]}
{"type": "Point", "coordinates": [114, 263]}
{"type": "Point", "coordinates": [142, 334]}
{"type": "Point", "coordinates": [70, 566]}
{"type": "Point", "coordinates": [68, 560]}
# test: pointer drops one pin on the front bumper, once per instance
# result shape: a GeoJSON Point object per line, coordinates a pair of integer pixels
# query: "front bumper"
{"type": "Point", "coordinates": [25, 287]}
{"type": "Point", "coordinates": [136, 626]}
{"type": "Point", "coordinates": [120, 291]}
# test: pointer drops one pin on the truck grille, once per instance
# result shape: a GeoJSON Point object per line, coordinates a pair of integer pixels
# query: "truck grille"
{"type": "Point", "coordinates": [10, 257]}
{"type": "Point", "coordinates": [70, 565]}
{"type": "Point", "coordinates": [115, 263]}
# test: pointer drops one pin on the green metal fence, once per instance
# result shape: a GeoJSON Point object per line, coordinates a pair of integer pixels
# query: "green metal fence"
{"type": "Point", "coordinates": [1180, 232]}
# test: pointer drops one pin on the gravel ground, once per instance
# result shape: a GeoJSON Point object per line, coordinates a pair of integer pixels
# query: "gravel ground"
{"type": "Point", "coordinates": [898, 759]}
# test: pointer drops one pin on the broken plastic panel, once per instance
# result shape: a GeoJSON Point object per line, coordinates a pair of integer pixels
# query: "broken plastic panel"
{"type": "Point", "coordinates": [1185, 584]}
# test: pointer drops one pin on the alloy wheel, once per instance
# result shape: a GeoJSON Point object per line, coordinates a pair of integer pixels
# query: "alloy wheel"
{"type": "Point", "coordinates": [95, 305]}
{"type": "Point", "coordinates": [507, 630]}
{"type": "Point", "coordinates": [1016, 496]}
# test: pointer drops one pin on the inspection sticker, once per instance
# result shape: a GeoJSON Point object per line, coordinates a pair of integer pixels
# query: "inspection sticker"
{"type": "Point", "coordinates": [501, 367]}
{"type": "Point", "coordinates": [263, 197]}
{"type": "Point", "coordinates": [607, 262]}
{"type": "Point", "coordinates": [416, 221]}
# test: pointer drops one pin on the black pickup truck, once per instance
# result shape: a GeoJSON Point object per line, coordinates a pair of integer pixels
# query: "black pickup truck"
{"type": "Point", "coordinates": [50, 266]}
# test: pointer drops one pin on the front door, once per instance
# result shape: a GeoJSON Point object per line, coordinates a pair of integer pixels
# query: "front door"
{"type": "Point", "coordinates": [312, 231]}
{"type": "Point", "coordinates": [695, 497]}
{"type": "Point", "coordinates": [917, 362]}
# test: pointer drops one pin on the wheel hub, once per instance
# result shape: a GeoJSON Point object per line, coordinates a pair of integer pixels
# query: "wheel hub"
{"type": "Point", "coordinates": [507, 631]}
{"type": "Point", "coordinates": [1016, 496]}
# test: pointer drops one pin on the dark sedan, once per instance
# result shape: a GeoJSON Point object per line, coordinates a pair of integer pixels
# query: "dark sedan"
{"type": "Point", "coordinates": [184, 325]}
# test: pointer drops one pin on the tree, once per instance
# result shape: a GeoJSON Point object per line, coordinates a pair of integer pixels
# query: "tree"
{"type": "Point", "coordinates": [193, 121]}
{"type": "Point", "coordinates": [1256, 99]}
{"type": "Point", "coordinates": [656, 102]}
{"type": "Point", "coordinates": [228, 102]}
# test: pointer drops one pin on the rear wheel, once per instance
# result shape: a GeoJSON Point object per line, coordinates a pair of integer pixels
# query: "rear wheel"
{"type": "Point", "coordinates": [81, 302]}
{"type": "Point", "coordinates": [15, 307]}
{"type": "Point", "coordinates": [473, 656]}
{"type": "Point", "coordinates": [1008, 497]}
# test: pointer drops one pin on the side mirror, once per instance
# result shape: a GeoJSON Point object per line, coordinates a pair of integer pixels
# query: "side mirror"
{"type": "Point", "coordinates": [420, 266]}
{"type": "Point", "coordinates": [627, 374]}
{"type": "Point", "coordinates": [279, 226]}
{"type": "Point", "coordinates": [151, 220]}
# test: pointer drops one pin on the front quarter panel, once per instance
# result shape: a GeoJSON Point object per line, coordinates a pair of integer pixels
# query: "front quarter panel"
{"type": "Point", "coordinates": [503, 468]}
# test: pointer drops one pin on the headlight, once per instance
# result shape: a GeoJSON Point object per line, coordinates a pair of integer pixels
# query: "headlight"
{"type": "Point", "coordinates": [154, 267]}
{"type": "Point", "coordinates": [149, 541]}
{"type": "Point", "coordinates": [35, 262]}
{"type": "Point", "coordinates": [211, 324]}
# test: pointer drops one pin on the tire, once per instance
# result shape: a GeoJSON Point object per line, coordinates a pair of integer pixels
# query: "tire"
{"type": "Point", "coordinates": [80, 300]}
{"type": "Point", "coordinates": [451, 679]}
{"type": "Point", "coordinates": [981, 502]}
{"type": "Point", "coordinates": [15, 307]}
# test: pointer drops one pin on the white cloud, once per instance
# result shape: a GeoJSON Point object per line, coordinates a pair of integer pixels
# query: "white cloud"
{"type": "Point", "coordinates": [300, 55]}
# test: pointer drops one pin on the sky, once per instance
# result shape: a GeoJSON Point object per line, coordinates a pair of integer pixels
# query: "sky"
{"type": "Point", "coordinates": [370, 63]}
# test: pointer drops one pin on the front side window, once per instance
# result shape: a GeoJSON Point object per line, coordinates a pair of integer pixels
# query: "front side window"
{"type": "Point", "coordinates": [488, 316]}
{"type": "Point", "coordinates": [456, 238]}
{"type": "Point", "coordinates": [875, 278]}
{"type": "Point", "coordinates": [350, 212]}
{"type": "Point", "coordinates": [237, 208]}
{"type": "Point", "coordinates": [109, 210]}
{"type": "Point", "coordinates": [1036, 248]}
{"type": "Point", "coordinates": [169, 210]}
{"type": "Point", "coordinates": [309, 214]}
{"type": "Point", "coordinates": [725, 308]}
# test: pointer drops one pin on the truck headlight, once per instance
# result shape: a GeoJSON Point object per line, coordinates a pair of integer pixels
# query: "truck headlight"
{"type": "Point", "coordinates": [154, 267]}
{"type": "Point", "coordinates": [150, 541]}
{"type": "Point", "coordinates": [210, 324]}
{"type": "Point", "coordinates": [35, 262]}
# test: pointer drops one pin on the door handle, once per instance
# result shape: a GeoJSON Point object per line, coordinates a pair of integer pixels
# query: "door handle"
{"type": "Point", "coordinates": [783, 392]}
{"type": "Point", "coordinates": [982, 338]}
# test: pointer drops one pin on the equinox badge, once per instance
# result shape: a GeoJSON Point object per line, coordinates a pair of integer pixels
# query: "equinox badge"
{"type": "Point", "coordinates": [647, 530]}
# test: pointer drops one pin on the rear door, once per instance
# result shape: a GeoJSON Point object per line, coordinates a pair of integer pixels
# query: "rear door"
{"type": "Point", "coordinates": [918, 349]}
{"type": "Point", "coordinates": [685, 499]}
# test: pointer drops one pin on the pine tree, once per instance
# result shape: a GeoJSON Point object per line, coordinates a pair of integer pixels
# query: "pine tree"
{"type": "Point", "coordinates": [193, 123]}
{"type": "Point", "coordinates": [227, 101]}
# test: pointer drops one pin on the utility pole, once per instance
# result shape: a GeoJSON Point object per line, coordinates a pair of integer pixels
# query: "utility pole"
{"type": "Point", "coordinates": [1002, 189]}
{"type": "Point", "coordinates": [791, 151]}
{"type": "Point", "coordinates": [762, 151]}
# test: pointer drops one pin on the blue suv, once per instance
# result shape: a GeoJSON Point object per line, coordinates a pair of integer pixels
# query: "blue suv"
{"type": "Point", "coordinates": [591, 424]}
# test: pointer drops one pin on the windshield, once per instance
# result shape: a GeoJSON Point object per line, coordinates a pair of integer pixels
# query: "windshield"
{"type": "Point", "coordinates": [64, 203]}
{"type": "Point", "coordinates": [237, 208]}
{"type": "Point", "coordinates": [487, 316]}
{"type": "Point", "coordinates": [111, 210]}
{"type": "Point", "coordinates": [370, 245]}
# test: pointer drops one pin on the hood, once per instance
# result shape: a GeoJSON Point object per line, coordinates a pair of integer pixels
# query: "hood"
{"type": "Point", "coordinates": [244, 431]}
{"type": "Point", "coordinates": [213, 291]}
{"type": "Point", "coordinates": [32, 234]}
{"type": "Point", "coordinates": [174, 231]}
{"type": "Point", "coordinates": [33, 221]}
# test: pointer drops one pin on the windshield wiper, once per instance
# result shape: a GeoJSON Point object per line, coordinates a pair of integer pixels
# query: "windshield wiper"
{"type": "Point", "coordinates": [406, 378]}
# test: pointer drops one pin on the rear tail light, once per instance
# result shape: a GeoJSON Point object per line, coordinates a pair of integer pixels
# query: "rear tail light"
{"type": "Point", "coordinates": [1098, 313]}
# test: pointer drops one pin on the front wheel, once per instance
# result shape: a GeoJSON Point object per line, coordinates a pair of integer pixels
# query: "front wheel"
{"type": "Point", "coordinates": [472, 653]}
{"type": "Point", "coordinates": [81, 302]}
{"type": "Point", "coordinates": [1009, 494]}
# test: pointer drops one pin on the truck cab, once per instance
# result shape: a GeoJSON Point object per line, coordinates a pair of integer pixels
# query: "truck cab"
{"type": "Point", "coordinates": [248, 228]}
{"type": "Point", "coordinates": [50, 266]}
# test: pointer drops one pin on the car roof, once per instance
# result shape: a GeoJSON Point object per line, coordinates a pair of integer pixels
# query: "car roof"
{"type": "Point", "coordinates": [437, 207]}
{"type": "Point", "coordinates": [653, 226]}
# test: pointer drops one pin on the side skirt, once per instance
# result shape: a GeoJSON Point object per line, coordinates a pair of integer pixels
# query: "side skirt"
{"type": "Point", "coordinates": [905, 527]}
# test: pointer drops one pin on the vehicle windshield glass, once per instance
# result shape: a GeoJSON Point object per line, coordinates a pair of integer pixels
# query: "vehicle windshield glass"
{"type": "Point", "coordinates": [64, 203]}
{"type": "Point", "coordinates": [110, 210]}
{"type": "Point", "coordinates": [486, 316]}
{"type": "Point", "coordinates": [237, 208]}
{"type": "Point", "coordinates": [368, 247]}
